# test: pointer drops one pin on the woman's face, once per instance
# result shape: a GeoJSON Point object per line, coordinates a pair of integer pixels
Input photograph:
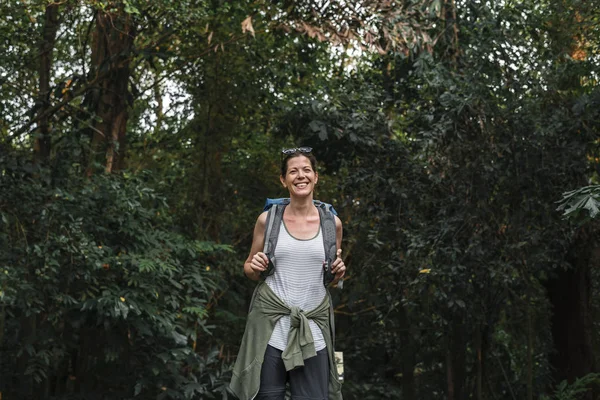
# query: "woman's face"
{"type": "Point", "coordinates": [300, 178]}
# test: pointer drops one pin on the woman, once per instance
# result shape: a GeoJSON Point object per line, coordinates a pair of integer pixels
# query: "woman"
{"type": "Point", "coordinates": [288, 335]}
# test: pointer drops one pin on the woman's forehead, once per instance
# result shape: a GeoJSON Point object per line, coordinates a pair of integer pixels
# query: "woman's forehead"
{"type": "Point", "coordinates": [299, 161]}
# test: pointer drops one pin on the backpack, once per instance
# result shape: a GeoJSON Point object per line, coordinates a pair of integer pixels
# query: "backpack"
{"type": "Point", "coordinates": [327, 214]}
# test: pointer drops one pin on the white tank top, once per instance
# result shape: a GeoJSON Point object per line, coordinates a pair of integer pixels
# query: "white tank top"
{"type": "Point", "coordinates": [298, 281]}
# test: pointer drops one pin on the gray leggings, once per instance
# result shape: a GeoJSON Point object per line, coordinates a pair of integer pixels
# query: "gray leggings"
{"type": "Point", "coordinates": [306, 383]}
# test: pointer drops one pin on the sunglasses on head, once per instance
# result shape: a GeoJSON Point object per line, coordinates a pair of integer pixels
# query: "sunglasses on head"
{"type": "Point", "coordinates": [293, 150]}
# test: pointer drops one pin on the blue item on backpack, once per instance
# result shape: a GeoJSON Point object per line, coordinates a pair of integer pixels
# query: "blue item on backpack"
{"type": "Point", "coordinates": [285, 200]}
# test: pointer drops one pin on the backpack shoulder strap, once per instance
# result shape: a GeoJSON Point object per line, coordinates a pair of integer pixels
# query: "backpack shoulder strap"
{"type": "Point", "coordinates": [329, 233]}
{"type": "Point", "coordinates": [329, 240]}
{"type": "Point", "coordinates": [274, 217]}
{"type": "Point", "coordinates": [273, 224]}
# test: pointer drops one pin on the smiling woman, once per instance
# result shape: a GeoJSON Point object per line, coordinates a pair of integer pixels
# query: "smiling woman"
{"type": "Point", "coordinates": [288, 335]}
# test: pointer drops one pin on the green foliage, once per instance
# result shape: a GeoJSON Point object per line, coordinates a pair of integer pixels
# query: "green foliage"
{"type": "Point", "coordinates": [582, 203]}
{"type": "Point", "coordinates": [575, 390]}
{"type": "Point", "coordinates": [98, 292]}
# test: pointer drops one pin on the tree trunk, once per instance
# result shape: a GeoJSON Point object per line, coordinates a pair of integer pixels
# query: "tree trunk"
{"type": "Point", "coordinates": [530, 334]}
{"type": "Point", "coordinates": [449, 376]}
{"type": "Point", "coordinates": [448, 13]}
{"type": "Point", "coordinates": [42, 142]}
{"type": "Point", "coordinates": [569, 293]}
{"type": "Point", "coordinates": [479, 361]}
{"type": "Point", "coordinates": [41, 146]}
{"type": "Point", "coordinates": [112, 47]}
{"type": "Point", "coordinates": [407, 358]}
{"type": "Point", "coordinates": [455, 362]}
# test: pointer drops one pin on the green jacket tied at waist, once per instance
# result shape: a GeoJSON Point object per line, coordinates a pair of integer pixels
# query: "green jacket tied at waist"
{"type": "Point", "coordinates": [265, 310]}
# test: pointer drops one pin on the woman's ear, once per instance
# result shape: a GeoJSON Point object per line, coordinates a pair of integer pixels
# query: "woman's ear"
{"type": "Point", "coordinates": [282, 180]}
{"type": "Point", "coordinates": [316, 178]}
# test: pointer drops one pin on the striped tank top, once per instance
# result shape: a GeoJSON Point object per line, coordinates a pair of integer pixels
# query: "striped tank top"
{"type": "Point", "coordinates": [298, 281]}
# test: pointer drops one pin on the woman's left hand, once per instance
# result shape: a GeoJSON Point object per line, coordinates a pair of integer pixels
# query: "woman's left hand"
{"type": "Point", "coordinates": [338, 267]}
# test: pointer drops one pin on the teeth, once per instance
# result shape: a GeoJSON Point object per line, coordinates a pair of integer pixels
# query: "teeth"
{"type": "Point", "coordinates": [301, 185]}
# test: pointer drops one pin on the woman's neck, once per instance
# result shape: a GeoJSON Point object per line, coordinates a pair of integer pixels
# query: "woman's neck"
{"type": "Point", "coordinates": [301, 206]}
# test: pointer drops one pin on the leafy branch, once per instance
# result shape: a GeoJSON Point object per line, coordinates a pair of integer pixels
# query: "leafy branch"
{"type": "Point", "coordinates": [582, 204]}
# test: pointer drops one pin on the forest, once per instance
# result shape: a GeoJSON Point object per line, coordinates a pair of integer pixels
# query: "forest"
{"type": "Point", "coordinates": [459, 141]}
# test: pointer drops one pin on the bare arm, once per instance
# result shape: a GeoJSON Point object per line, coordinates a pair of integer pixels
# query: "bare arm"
{"type": "Point", "coordinates": [339, 232]}
{"type": "Point", "coordinates": [257, 260]}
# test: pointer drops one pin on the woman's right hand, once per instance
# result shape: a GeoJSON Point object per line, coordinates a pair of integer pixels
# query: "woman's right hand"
{"type": "Point", "coordinates": [259, 262]}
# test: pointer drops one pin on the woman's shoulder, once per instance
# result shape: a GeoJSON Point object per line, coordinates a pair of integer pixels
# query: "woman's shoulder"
{"type": "Point", "coordinates": [261, 223]}
{"type": "Point", "coordinates": [338, 222]}
{"type": "Point", "coordinates": [262, 218]}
